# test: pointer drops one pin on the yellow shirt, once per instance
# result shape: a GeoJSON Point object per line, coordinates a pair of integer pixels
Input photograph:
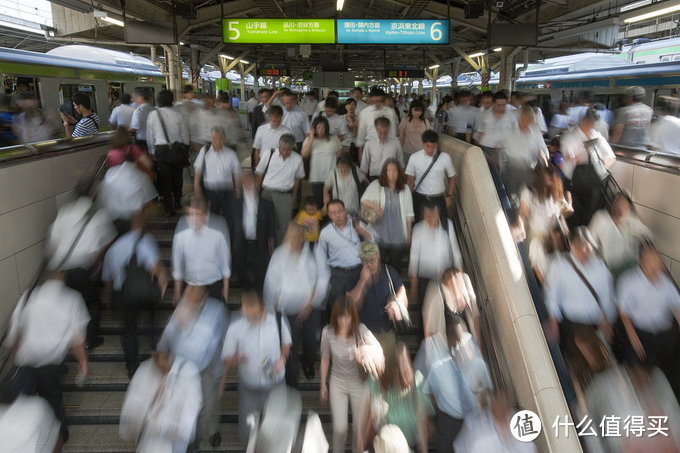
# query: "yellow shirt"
{"type": "Point", "coordinates": [310, 223]}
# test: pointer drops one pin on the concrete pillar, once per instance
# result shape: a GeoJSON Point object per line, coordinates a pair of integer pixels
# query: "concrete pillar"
{"type": "Point", "coordinates": [194, 69]}
{"type": "Point", "coordinates": [420, 87]}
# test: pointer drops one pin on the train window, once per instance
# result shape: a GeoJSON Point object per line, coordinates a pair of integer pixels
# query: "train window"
{"type": "Point", "coordinates": [151, 93]}
{"type": "Point", "coordinates": [113, 95]}
{"type": "Point", "coordinates": [12, 86]}
{"type": "Point", "coordinates": [67, 91]}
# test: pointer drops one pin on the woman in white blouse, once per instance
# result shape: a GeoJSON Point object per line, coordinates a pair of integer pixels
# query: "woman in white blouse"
{"type": "Point", "coordinates": [388, 200]}
{"type": "Point", "coordinates": [322, 150]}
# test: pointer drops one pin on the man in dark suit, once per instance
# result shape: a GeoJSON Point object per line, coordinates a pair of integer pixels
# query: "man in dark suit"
{"type": "Point", "coordinates": [259, 116]}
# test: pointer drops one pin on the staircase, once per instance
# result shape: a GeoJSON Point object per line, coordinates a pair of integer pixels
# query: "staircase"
{"type": "Point", "coordinates": [93, 411]}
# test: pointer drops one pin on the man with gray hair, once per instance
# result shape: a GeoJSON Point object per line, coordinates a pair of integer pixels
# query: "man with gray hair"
{"type": "Point", "coordinates": [217, 178]}
{"type": "Point", "coordinates": [279, 173]}
{"type": "Point", "coordinates": [633, 121]}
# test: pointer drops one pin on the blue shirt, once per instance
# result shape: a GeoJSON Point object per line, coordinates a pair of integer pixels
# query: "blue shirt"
{"type": "Point", "coordinates": [446, 384]}
{"type": "Point", "coordinates": [119, 254]}
{"type": "Point", "coordinates": [198, 340]}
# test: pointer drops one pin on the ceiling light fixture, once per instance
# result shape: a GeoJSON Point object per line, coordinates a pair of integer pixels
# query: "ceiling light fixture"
{"type": "Point", "coordinates": [434, 66]}
{"type": "Point", "coordinates": [498, 49]}
{"type": "Point", "coordinates": [635, 5]}
{"type": "Point", "coordinates": [339, 5]}
{"type": "Point", "coordinates": [652, 14]}
{"type": "Point", "coordinates": [477, 54]}
{"type": "Point", "coordinates": [113, 21]}
{"type": "Point", "coordinates": [245, 62]}
{"type": "Point", "coordinates": [228, 57]}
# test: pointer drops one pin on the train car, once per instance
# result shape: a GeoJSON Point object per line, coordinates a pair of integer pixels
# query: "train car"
{"type": "Point", "coordinates": [607, 82]}
{"type": "Point", "coordinates": [57, 75]}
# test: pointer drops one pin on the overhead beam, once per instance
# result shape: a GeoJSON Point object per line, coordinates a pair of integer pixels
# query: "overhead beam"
{"type": "Point", "coordinates": [464, 54]}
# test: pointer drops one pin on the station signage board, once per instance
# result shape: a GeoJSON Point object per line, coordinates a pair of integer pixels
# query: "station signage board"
{"type": "Point", "coordinates": [412, 72]}
{"type": "Point", "coordinates": [278, 31]}
{"type": "Point", "coordinates": [273, 71]}
{"type": "Point", "coordinates": [388, 31]}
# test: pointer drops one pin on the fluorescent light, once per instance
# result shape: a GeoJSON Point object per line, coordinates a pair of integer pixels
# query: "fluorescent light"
{"type": "Point", "coordinates": [228, 57]}
{"type": "Point", "coordinates": [498, 49]}
{"type": "Point", "coordinates": [434, 66]}
{"type": "Point", "coordinates": [477, 54]}
{"type": "Point", "coordinates": [181, 43]}
{"type": "Point", "coordinates": [339, 5]}
{"type": "Point", "coordinates": [652, 14]}
{"type": "Point", "coordinates": [635, 5]}
{"type": "Point", "coordinates": [113, 21]}
{"type": "Point", "coordinates": [245, 62]}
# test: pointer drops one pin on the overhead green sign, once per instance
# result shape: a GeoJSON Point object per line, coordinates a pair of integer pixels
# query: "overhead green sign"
{"type": "Point", "coordinates": [278, 31]}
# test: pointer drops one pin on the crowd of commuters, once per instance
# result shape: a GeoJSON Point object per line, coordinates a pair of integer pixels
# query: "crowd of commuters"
{"type": "Point", "coordinates": [321, 276]}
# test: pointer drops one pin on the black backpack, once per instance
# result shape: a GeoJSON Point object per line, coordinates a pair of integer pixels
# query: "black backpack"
{"type": "Point", "coordinates": [139, 287]}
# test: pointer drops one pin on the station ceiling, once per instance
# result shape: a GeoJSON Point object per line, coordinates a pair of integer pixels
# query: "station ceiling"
{"type": "Point", "coordinates": [564, 27]}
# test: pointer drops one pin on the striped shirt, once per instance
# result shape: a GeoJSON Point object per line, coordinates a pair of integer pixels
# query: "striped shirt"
{"type": "Point", "coordinates": [88, 125]}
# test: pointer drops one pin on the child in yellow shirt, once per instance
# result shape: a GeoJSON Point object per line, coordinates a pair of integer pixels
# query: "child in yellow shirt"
{"type": "Point", "coordinates": [309, 217]}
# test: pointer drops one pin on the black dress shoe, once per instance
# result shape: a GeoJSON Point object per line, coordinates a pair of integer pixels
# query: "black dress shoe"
{"type": "Point", "coordinates": [215, 440]}
{"type": "Point", "coordinates": [64, 434]}
{"type": "Point", "coordinates": [98, 341]}
{"type": "Point", "coordinates": [309, 372]}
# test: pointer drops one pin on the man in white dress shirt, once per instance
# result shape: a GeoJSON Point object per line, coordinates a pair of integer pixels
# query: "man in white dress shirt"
{"type": "Point", "coordinates": [495, 123]}
{"type": "Point", "coordinates": [308, 104]}
{"type": "Point", "coordinates": [278, 176]}
{"type": "Point", "coordinates": [162, 404]}
{"type": "Point", "coordinates": [268, 135]}
{"type": "Point", "coordinates": [649, 304]}
{"type": "Point", "coordinates": [139, 116]}
{"type": "Point", "coordinates": [358, 94]}
{"type": "Point", "coordinates": [121, 115]}
{"type": "Point", "coordinates": [201, 254]}
{"type": "Point", "coordinates": [196, 332]}
{"type": "Point", "coordinates": [27, 423]}
{"type": "Point", "coordinates": [258, 344]}
{"type": "Point", "coordinates": [434, 248]}
{"type": "Point", "coordinates": [431, 176]}
{"type": "Point", "coordinates": [294, 118]}
{"type": "Point", "coordinates": [45, 326]}
{"type": "Point", "coordinates": [582, 146]}
{"type": "Point", "coordinates": [290, 288]}
{"type": "Point", "coordinates": [158, 140]}
{"type": "Point", "coordinates": [217, 177]}
{"type": "Point", "coordinates": [461, 117]}
{"type": "Point", "coordinates": [366, 130]}
{"type": "Point", "coordinates": [85, 231]}
{"type": "Point", "coordinates": [579, 299]}
{"type": "Point", "coordinates": [665, 131]}
{"type": "Point", "coordinates": [378, 150]}
{"type": "Point", "coordinates": [337, 124]}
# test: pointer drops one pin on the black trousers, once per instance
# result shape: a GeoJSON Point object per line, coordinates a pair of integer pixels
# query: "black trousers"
{"type": "Point", "coordinates": [661, 350]}
{"type": "Point", "coordinates": [129, 315]}
{"type": "Point", "coordinates": [342, 281]}
{"type": "Point", "coordinates": [447, 429]}
{"type": "Point", "coordinates": [587, 200]}
{"type": "Point", "coordinates": [48, 385]}
{"type": "Point", "coordinates": [170, 185]}
{"type": "Point", "coordinates": [225, 204]}
{"type": "Point", "coordinates": [317, 193]}
{"type": "Point", "coordinates": [419, 201]}
{"type": "Point", "coordinates": [82, 281]}
{"type": "Point", "coordinates": [303, 335]}
{"type": "Point", "coordinates": [266, 239]}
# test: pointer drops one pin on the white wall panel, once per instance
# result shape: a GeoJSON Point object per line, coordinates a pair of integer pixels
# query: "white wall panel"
{"type": "Point", "coordinates": [657, 190]}
{"type": "Point", "coordinates": [28, 261]}
{"type": "Point", "coordinates": [21, 185]}
{"type": "Point", "coordinates": [666, 230]}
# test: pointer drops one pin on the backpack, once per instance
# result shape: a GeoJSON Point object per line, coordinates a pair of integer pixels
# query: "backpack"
{"type": "Point", "coordinates": [139, 287]}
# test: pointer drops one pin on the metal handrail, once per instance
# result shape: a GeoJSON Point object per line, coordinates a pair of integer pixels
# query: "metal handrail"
{"type": "Point", "coordinates": [659, 159]}
{"type": "Point", "coordinates": [12, 154]}
{"type": "Point", "coordinates": [43, 264]}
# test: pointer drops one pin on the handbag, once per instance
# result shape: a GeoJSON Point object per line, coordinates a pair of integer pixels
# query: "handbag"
{"type": "Point", "coordinates": [177, 152]}
{"type": "Point", "coordinates": [403, 326]}
{"type": "Point", "coordinates": [139, 287]}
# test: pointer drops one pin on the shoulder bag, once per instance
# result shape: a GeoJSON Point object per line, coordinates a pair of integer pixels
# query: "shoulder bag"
{"type": "Point", "coordinates": [427, 171]}
{"type": "Point", "coordinates": [178, 153]}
